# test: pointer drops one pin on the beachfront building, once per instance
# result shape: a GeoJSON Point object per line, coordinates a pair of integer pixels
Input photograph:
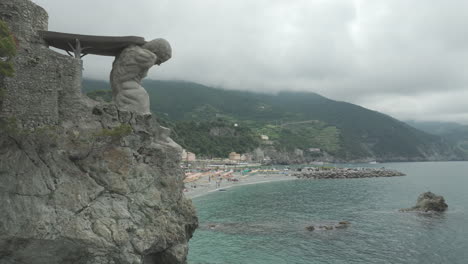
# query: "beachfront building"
{"type": "Point", "coordinates": [233, 156]}
{"type": "Point", "coordinates": [191, 156]}
{"type": "Point", "coordinates": [188, 156]}
{"type": "Point", "coordinates": [247, 157]}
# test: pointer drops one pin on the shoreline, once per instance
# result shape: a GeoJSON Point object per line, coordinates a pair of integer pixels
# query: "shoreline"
{"type": "Point", "coordinates": [204, 187]}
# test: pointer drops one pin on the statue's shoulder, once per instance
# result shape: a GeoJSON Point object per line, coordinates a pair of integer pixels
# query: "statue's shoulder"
{"type": "Point", "coordinates": [137, 54]}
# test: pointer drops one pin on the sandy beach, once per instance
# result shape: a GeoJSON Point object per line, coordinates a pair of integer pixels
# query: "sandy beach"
{"type": "Point", "coordinates": [204, 186]}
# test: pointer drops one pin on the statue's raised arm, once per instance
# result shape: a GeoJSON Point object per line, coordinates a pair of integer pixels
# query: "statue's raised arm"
{"type": "Point", "coordinates": [128, 70]}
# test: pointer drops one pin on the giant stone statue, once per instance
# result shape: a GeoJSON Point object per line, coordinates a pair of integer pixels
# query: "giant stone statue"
{"type": "Point", "coordinates": [133, 58]}
{"type": "Point", "coordinates": [128, 70]}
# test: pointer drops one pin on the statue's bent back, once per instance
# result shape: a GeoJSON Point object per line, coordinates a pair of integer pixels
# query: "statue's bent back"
{"type": "Point", "coordinates": [129, 69]}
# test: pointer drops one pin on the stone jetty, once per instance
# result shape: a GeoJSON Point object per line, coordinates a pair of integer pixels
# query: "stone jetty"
{"type": "Point", "coordinates": [340, 225]}
{"type": "Point", "coordinates": [345, 173]}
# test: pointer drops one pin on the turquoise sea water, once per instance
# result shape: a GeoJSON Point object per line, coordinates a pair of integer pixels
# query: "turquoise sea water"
{"type": "Point", "coordinates": [265, 223]}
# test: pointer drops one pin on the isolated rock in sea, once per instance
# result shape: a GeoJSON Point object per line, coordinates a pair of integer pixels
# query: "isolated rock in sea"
{"type": "Point", "coordinates": [343, 224]}
{"type": "Point", "coordinates": [340, 225]}
{"type": "Point", "coordinates": [429, 202]}
{"type": "Point", "coordinates": [81, 182]}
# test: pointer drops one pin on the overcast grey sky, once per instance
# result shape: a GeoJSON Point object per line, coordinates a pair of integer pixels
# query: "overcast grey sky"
{"type": "Point", "coordinates": [405, 58]}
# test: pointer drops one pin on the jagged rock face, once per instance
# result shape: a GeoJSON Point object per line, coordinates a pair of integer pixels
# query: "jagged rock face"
{"type": "Point", "coordinates": [81, 182]}
{"type": "Point", "coordinates": [429, 202]}
{"type": "Point", "coordinates": [94, 195]}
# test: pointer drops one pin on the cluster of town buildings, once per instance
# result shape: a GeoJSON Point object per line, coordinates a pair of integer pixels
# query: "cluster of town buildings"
{"type": "Point", "coordinates": [235, 158]}
{"type": "Point", "coordinates": [188, 156]}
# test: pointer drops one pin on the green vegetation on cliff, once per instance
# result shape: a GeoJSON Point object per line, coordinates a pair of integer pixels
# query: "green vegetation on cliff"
{"type": "Point", "coordinates": [214, 138]}
{"type": "Point", "coordinates": [294, 120]}
{"type": "Point", "coordinates": [7, 50]}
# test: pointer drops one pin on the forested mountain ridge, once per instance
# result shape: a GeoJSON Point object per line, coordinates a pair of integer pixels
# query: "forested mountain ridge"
{"type": "Point", "coordinates": [292, 120]}
{"type": "Point", "coordinates": [456, 134]}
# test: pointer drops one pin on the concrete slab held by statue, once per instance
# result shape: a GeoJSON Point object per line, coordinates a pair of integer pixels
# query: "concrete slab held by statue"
{"type": "Point", "coordinates": [97, 45]}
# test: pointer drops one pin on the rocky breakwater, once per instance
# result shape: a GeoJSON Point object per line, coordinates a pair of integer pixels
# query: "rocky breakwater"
{"type": "Point", "coordinates": [344, 173]}
{"type": "Point", "coordinates": [80, 181]}
{"type": "Point", "coordinates": [340, 225]}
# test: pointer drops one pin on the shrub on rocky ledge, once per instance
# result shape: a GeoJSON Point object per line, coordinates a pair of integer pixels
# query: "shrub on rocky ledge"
{"type": "Point", "coordinates": [7, 50]}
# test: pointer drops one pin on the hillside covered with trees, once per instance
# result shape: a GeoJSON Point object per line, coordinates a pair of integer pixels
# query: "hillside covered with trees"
{"type": "Point", "coordinates": [291, 120]}
{"type": "Point", "coordinates": [454, 133]}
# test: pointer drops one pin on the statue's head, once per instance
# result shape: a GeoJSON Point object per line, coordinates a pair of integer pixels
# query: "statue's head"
{"type": "Point", "coordinates": [161, 48]}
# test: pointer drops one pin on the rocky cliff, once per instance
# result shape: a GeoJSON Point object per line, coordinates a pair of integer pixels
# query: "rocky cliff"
{"type": "Point", "coordinates": [80, 181]}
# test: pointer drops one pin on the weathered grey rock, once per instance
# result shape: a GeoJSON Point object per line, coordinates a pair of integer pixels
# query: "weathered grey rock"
{"type": "Point", "coordinates": [429, 202]}
{"type": "Point", "coordinates": [82, 182]}
{"type": "Point", "coordinates": [105, 194]}
{"type": "Point", "coordinates": [128, 70]}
